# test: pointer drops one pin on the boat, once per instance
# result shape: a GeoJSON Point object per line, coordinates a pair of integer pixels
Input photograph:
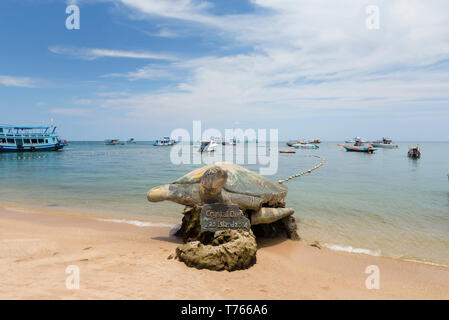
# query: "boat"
{"type": "Point", "coordinates": [358, 148]}
{"type": "Point", "coordinates": [291, 143]}
{"type": "Point", "coordinates": [386, 143]}
{"type": "Point", "coordinates": [305, 146]}
{"type": "Point", "coordinates": [29, 139]}
{"type": "Point", "coordinates": [357, 140]}
{"type": "Point", "coordinates": [112, 142]}
{"type": "Point", "coordinates": [315, 141]}
{"type": "Point", "coordinates": [164, 142]}
{"type": "Point", "coordinates": [208, 146]}
{"type": "Point", "coordinates": [131, 141]}
{"type": "Point", "coordinates": [287, 151]}
{"type": "Point", "coordinates": [414, 153]}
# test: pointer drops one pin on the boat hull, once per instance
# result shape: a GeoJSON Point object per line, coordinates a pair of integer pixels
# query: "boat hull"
{"type": "Point", "coordinates": [385, 146]}
{"type": "Point", "coordinates": [54, 147]}
{"type": "Point", "coordinates": [359, 149]}
{"type": "Point", "coordinates": [305, 146]}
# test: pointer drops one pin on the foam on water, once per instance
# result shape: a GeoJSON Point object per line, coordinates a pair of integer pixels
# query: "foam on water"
{"type": "Point", "coordinates": [334, 247]}
{"type": "Point", "coordinates": [139, 223]}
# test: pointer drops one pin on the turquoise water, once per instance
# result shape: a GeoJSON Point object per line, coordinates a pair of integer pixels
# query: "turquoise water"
{"type": "Point", "coordinates": [382, 204]}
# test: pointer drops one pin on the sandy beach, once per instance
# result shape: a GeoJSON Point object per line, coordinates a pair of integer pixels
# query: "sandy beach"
{"type": "Point", "coordinates": [121, 261]}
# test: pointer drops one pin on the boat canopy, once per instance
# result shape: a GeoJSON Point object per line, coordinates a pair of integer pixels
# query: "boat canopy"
{"type": "Point", "coordinates": [23, 128]}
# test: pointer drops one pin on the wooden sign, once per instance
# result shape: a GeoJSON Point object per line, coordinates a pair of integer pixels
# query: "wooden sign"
{"type": "Point", "coordinates": [219, 216]}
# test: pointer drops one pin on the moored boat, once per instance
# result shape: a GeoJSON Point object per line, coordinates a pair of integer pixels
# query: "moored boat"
{"type": "Point", "coordinates": [30, 139]}
{"type": "Point", "coordinates": [414, 153]}
{"type": "Point", "coordinates": [305, 146]}
{"type": "Point", "coordinates": [358, 148]}
{"type": "Point", "coordinates": [287, 151]}
{"type": "Point", "coordinates": [208, 146]}
{"type": "Point", "coordinates": [112, 142]}
{"type": "Point", "coordinates": [357, 140]}
{"type": "Point", "coordinates": [164, 142]}
{"type": "Point", "coordinates": [385, 143]}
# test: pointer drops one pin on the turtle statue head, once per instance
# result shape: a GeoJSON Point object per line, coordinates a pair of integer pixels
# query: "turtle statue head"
{"type": "Point", "coordinates": [210, 185]}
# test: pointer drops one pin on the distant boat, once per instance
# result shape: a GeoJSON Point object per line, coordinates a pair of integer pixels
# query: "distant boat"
{"type": "Point", "coordinates": [287, 151]}
{"type": "Point", "coordinates": [223, 141]}
{"type": "Point", "coordinates": [112, 142]}
{"type": "Point", "coordinates": [386, 143]}
{"type": "Point", "coordinates": [291, 143]}
{"type": "Point", "coordinates": [357, 140]}
{"type": "Point", "coordinates": [414, 153]}
{"type": "Point", "coordinates": [29, 139]}
{"type": "Point", "coordinates": [305, 146]}
{"type": "Point", "coordinates": [164, 142]}
{"type": "Point", "coordinates": [208, 146]}
{"type": "Point", "coordinates": [131, 141]}
{"type": "Point", "coordinates": [303, 142]}
{"type": "Point", "coordinates": [358, 148]}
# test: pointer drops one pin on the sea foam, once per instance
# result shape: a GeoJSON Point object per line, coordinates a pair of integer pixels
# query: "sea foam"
{"type": "Point", "coordinates": [335, 247]}
{"type": "Point", "coordinates": [139, 223]}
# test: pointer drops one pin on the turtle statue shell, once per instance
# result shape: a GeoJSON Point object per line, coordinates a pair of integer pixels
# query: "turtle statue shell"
{"type": "Point", "coordinates": [240, 180]}
{"type": "Point", "coordinates": [227, 183]}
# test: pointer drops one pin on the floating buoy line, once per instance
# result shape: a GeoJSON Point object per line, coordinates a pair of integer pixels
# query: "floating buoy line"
{"type": "Point", "coordinates": [300, 174]}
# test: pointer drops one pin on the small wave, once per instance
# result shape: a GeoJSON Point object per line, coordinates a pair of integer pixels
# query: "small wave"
{"type": "Point", "coordinates": [139, 223]}
{"type": "Point", "coordinates": [21, 210]}
{"type": "Point", "coordinates": [427, 262]}
{"type": "Point", "coordinates": [334, 247]}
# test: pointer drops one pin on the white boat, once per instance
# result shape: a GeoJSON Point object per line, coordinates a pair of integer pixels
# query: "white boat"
{"type": "Point", "coordinates": [224, 141]}
{"type": "Point", "coordinates": [208, 146]}
{"type": "Point", "coordinates": [305, 146]}
{"type": "Point", "coordinates": [357, 140]}
{"type": "Point", "coordinates": [386, 143]}
{"type": "Point", "coordinates": [164, 142]}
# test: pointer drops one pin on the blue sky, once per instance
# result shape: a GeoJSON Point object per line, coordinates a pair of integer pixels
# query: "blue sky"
{"type": "Point", "coordinates": [141, 68]}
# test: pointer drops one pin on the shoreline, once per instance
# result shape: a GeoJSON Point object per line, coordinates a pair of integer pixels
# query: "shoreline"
{"type": "Point", "coordinates": [173, 222]}
{"type": "Point", "coordinates": [124, 261]}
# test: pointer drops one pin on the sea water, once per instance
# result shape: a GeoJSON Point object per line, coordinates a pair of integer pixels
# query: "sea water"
{"type": "Point", "coordinates": [381, 204]}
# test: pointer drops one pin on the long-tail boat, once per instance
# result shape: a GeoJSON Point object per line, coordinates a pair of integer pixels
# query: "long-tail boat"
{"type": "Point", "coordinates": [358, 148]}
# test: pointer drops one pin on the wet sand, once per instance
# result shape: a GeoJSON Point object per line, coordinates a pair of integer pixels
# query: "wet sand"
{"type": "Point", "coordinates": [121, 261]}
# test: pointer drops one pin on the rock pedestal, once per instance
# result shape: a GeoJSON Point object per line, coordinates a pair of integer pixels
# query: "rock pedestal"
{"type": "Point", "coordinates": [229, 250]}
{"type": "Point", "coordinates": [225, 249]}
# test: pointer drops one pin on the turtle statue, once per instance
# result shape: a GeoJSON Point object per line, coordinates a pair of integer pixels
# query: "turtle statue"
{"type": "Point", "coordinates": [260, 199]}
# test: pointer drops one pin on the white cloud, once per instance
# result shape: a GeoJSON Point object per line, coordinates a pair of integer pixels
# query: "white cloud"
{"type": "Point", "coordinates": [150, 72]}
{"type": "Point", "coordinates": [189, 10]}
{"type": "Point", "coordinates": [165, 33]}
{"type": "Point", "coordinates": [305, 55]}
{"type": "Point", "coordinates": [92, 54]}
{"type": "Point", "coordinates": [71, 111]}
{"type": "Point", "coordinates": [10, 81]}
